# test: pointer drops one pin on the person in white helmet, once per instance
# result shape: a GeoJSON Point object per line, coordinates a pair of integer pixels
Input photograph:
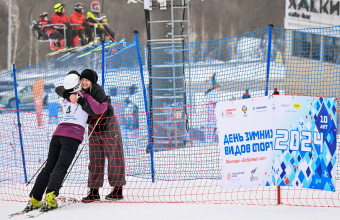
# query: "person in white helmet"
{"type": "Point", "coordinates": [64, 145]}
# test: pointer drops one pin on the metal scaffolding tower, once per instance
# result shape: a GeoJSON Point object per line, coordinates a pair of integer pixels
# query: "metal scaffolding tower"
{"type": "Point", "coordinates": [167, 23]}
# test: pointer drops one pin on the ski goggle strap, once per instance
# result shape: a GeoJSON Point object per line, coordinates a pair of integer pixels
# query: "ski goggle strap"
{"type": "Point", "coordinates": [96, 7]}
{"type": "Point", "coordinates": [76, 88]}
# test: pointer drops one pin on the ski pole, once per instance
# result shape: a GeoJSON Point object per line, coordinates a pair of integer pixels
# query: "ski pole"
{"type": "Point", "coordinates": [36, 172]}
{"type": "Point", "coordinates": [88, 137]}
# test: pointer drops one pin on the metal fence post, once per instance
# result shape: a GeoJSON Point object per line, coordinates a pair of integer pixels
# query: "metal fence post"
{"type": "Point", "coordinates": [19, 124]}
{"type": "Point", "coordinates": [268, 56]}
{"type": "Point", "coordinates": [103, 63]}
{"type": "Point", "coordinates": [270, 36]}
{"type": "Point", "coordinates": [146, 106]}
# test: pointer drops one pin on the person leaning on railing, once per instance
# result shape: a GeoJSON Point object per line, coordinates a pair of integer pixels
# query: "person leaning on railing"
{"type": "Point", "coordinates": [56, 38]}
{"type": "Point", "coordinates": [83, 28]}
{"type": "Point", "coordinates": [59, 17]}
{"type": "Point", "coordinates": [106, 141]}
{"type": "Point", "coordinates": [100, 18]}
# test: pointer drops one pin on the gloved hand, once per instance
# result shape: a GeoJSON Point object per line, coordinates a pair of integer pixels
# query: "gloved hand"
{"type": "Point", "coordinates": [66, 95]}
{"type": "Point", "coordinates": [81, 101]}
{"type": "Point", "coordinates": [86, 25]}
{"type": "Point", "coordinates": [104, 20]}
{"type": "Point", "coordinates": [68, 25]}
{"type": "Point", "coordinates": [108, 99]}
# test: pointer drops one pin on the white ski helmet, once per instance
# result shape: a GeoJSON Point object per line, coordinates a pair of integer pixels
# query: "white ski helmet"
{"type": "Point", "coordinates": [72, 82]}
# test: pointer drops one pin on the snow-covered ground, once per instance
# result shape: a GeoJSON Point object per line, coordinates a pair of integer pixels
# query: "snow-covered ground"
{"type": "Point", "coordinates": [175, 211]}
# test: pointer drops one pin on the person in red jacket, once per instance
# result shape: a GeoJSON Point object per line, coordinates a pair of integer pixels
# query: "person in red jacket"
{"type": "Point", "coordinates": [59, 17]}
{"type": "Point", "coordinates": [78, 18]}
{"type": "Point", "coordinates": [56, 38]}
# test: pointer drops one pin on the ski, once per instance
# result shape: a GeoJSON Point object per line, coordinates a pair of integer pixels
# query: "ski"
{"type": "Point", "coordinates": [61, 199]}
{"type": "Point", "coordinates": [81, 48]}
{"type": "Point", "coordinates": [62, 51]}
{"type": "Point", "coordinates": [62, 203]}
{"type": "Point", "coordinates": [99, 48]}
{"type": "Point", "coordinates": [19, 213]}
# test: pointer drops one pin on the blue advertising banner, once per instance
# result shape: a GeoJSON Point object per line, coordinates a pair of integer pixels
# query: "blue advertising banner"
{"type": "Point", "coordinates": [305, 142]}
{"type": "Point", "coordinates": [278, 140]}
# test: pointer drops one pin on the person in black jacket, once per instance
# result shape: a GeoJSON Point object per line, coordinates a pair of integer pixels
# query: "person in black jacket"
{"type": "Point", "coordinates": [105, 141]}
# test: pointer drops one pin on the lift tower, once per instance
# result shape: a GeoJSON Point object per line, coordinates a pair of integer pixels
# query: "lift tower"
{"type": "Point", "coordinates": [167, 23]}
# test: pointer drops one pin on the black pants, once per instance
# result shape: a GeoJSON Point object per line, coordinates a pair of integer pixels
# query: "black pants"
{"type": "Point", "coordinates": [82, 35]}
{"type": "Point", "coordinates": [70, 34]}
{"type": "Point", "coordinates": [56, 35]}
{"type": "Point", "coordinates": [60, 155]}
{"type": "Point", "coordinates": [101, 32]}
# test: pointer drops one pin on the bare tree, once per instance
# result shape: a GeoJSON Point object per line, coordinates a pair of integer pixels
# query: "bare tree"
{"type": "Point", "coordinates": [16, 28]}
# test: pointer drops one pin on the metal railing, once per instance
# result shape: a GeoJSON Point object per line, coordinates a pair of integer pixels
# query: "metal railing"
{"type": "Point", "coordinates": [64, 26]}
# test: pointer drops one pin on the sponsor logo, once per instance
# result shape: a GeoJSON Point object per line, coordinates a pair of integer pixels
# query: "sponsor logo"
{"type": "Point", "coordinates": [285, 105]}
{"type": "Point", "coordinates": [235, 174]}
{"type": "Point", "coordinates": [261, 108]}
{"type": "Point", "coordinates": [253, 178]}
{"type": "Point", "coordinates": [228, 176]}
{"type": "Point", "coordinates": [244, 109]}
{"type": "Point", "coordinates": [229, 112]}
{"type": "Point", "coordinates": [297, 106]}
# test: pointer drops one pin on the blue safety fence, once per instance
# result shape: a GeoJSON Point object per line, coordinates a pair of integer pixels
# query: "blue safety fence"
{"type": "Point", "coordinates": [179, 86]}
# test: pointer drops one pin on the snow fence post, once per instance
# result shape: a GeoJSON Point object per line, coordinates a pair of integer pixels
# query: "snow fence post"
{"type": "Point", "coordinates": [270, 36]}
{"type": "Point", "coordinates": [268, 56]}
{"type": "Point", "coordinates": [103, 63]}
{"type": "Point", "coordinates": [19, 124]}
{"type": "Point", "coordinates": [146, 105]}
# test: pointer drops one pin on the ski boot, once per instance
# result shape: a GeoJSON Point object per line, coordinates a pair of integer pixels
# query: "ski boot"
{"type": "Point", "coordinates": [53, 46]}
{"type": "Point", "coordinates": [116, 194]}
{"type": "Point", "coordinates": [32, 204]}
{"type": "Point", "coordinates": [51, 202]}
{"type": "Point", "coordinates": [92, 196]}
{"type": "Point", "coordinates": [61, 45]}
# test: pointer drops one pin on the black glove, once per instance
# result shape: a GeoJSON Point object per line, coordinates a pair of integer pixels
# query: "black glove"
{"type": "Point", "coordinates": [66, 95]}
{"type": "Point", "coordinates": [67, 25]}
{"type": "Point", "coordinates": [81, 101]}
{"type": "Point", "coordinates": [108, 99]}
{"type": "Point", "coordinates": [86, 25]}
